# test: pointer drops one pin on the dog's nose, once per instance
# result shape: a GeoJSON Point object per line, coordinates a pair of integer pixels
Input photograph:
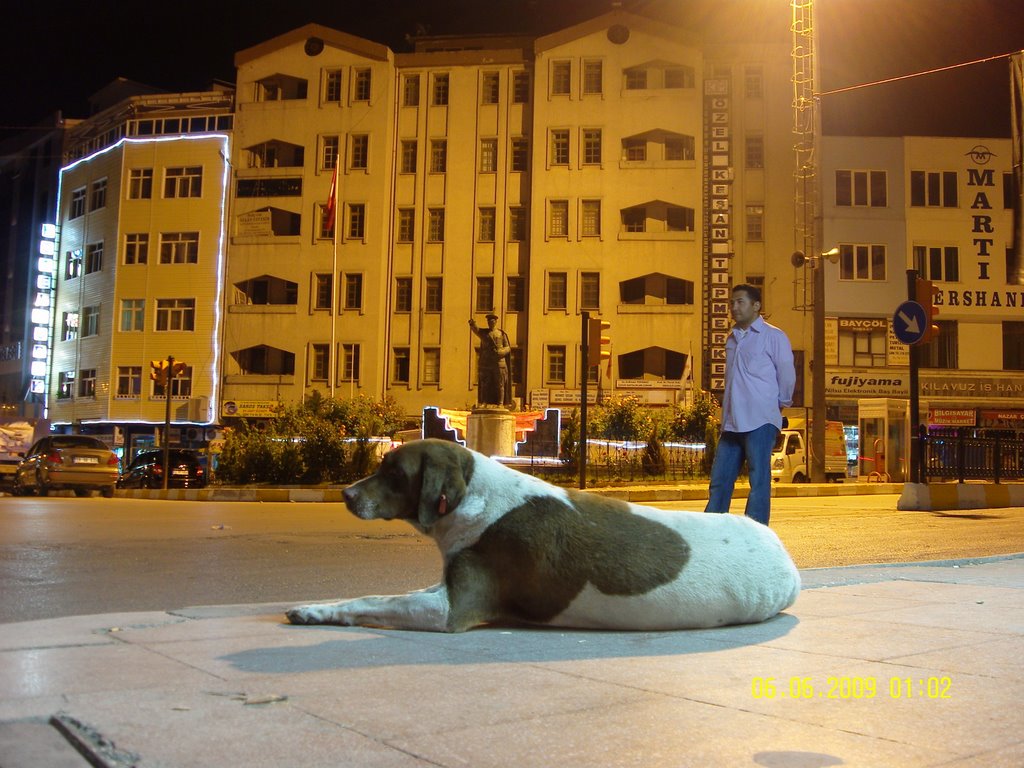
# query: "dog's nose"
{"type": "Point", "coordinates": [349, 495]}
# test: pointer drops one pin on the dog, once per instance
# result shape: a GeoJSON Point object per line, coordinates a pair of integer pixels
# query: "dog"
{"type": "Point", "coordinates": [518, 550]}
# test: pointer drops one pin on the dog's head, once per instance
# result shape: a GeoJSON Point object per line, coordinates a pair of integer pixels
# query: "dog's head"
{"type": "Point", "coordinates": [420, 481]}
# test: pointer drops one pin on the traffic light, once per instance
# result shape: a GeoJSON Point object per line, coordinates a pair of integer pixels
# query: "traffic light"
{"type": "Point", "coordinates": [158, 372]}
{"type": "Point", "coordinates": [924, 294]}
{"type": "Point", "coordinates": [598, 345]}
{"type": "Point", "coordinates": [179, 369]}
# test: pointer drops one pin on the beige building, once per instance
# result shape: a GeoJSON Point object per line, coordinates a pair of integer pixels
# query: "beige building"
{"type": "Point", "coordinates": [595, 169]}
{"type": "Point", "coordinates": [139, 265]}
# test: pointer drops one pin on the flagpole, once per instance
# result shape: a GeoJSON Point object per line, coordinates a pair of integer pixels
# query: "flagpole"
{"type": "Point", "coordinates": [332, 203]}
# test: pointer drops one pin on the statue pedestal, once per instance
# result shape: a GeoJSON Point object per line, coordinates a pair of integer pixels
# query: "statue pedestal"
{"type": "Point", "coordinates": [491, 431]}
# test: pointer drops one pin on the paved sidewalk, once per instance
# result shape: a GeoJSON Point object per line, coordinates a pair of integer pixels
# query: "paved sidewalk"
{"type": "Point", "coordinates": [939, 646]}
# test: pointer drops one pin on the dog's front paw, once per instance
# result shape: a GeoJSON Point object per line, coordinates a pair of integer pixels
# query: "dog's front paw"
{"type": "Point", "coordinates": [307, 614]}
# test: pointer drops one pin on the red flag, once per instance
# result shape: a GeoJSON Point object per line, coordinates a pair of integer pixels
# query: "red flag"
{"type": "Point", "coordinates": [332, 198]}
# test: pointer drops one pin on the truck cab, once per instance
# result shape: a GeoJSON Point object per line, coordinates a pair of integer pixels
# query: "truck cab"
{"type": "Point", "coordinates": [791, 454]}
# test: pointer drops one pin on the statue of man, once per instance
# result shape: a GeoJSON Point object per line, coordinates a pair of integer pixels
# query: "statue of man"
{"type": "Point", "coordinates": [494, 373]}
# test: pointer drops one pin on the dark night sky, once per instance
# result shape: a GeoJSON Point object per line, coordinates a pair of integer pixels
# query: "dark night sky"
{"type": "Point", "coordinates": [184, 45]}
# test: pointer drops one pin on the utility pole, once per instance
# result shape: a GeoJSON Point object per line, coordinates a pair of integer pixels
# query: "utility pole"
{"type": "Point", "coordinates": [584, 375]}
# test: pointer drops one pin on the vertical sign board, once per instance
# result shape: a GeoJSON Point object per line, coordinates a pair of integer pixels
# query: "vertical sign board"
{"type": "Point", "coordinates": [718, 232]}
{"type": "Point", "coordinates": [42, 308]}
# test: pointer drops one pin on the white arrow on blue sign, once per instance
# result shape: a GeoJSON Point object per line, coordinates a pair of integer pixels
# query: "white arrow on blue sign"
{"type": "Point", "coordinates": [909, 322]}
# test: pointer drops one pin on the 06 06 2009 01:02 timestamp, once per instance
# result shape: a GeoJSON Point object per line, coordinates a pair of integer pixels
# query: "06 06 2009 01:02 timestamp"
{"type": "Point", "coordinates": [851, 687]}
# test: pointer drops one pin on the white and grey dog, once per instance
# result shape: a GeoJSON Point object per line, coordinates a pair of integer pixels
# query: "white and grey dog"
{"type": "Point", "coordinates": [517, 549]}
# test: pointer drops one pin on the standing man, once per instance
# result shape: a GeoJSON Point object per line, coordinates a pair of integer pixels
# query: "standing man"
{"type": "Point", "coordinates": [495, 348]}
{"type": "Point", "coordinates": [759, 381]}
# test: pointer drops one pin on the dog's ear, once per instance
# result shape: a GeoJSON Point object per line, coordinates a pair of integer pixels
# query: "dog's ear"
{"type": "Point", "coordinates": [445, 471]}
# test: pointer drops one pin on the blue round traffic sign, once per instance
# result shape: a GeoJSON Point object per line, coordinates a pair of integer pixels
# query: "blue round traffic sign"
{"type": "Point", "coordinates": [909, 322]}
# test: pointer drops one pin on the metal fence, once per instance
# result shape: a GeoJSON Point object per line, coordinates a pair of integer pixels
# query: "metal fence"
{"type": "Point", "coordinates": [612, 462]}
{"type": "Point", "coordinates": [972, 454]}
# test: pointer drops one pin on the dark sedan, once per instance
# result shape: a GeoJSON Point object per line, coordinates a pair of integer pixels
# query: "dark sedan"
{"type": "Point", "coordinates": [147, 470]}
{"type": "Point", "coordinates": [78, 462]}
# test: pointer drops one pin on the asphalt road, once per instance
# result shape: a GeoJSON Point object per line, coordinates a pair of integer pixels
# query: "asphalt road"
{"type": "Point", "coordinates": [65, 556]}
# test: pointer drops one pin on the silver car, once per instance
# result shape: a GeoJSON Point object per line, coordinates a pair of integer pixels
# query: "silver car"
{"type": "Point", "coordinates": [79, 462]}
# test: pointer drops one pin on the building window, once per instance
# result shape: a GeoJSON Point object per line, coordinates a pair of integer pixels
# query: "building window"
{"type": "Point", "coordinates": [411, 91]}
{"type": "Point", "coordinates": [558, 221]}
{"type": "Point", "coordinates": [87, 382]}
{"type": "Point", "coordinates": [487, 224]}
{"type": "Point", "coordinates": [516, 299]}
{"type": "Point", "coordinates": [69, 326]}
{"type": "Point", "coordinates": [140, 183]}
{"type": "Point", "coordinates": [136, 248]}
{"type": "Point", "coordinates": [98, 195]}
{"type": "Point", "coordinates": [489, 88]}
{"type": "Point", "coordinates": [90, 321]}
{"type": "Point", "coordinates": [65, 385]}
{"type": "Point", "coordinates": [558, 290]}
{"type": "Point", "coordinates": [679, 148]}
{"type": "Point", "coordinates": [329, 156]}
{"type": "Point", "coordinates": [555, 364]}
{"type": "Point", "coordinates": [753, 82]}
{"type": "Point", "coordinates": [403, 294]}
{"type": "Point", "coordinates": [560, 146]}
{"type": "Point", "coordinates": [353, 291]}
{"type": "Point", "coordinates": [484, 294]}
{"type": "Point", "coordinates": [755, 223]}
{"type": "Point", "coordinates": [934, 189]}
{"type": "Point", "coordinates": [184, 182]}
{"type": "Point", "coordinates": [488, 155]}
{"type": "Point", "coordinates": [754, 154]}
{"type": "Point", "coordinates": [406, 224]}
{"type": "Point", "coordinates": [73, 264]}
{"type": "Point", "coordinates": [431, 365]}
{"type": "Point", "coordinates": [332, 85]}
{"type": "Point", "coordinates": [591, 146]}
{"type": "Point", "coordinates": [179, 247]}
{"type": "Point", "coordinates": [520, 87]}
{"type": "Point", "coordinates": [433, 294]}
{"type": "Point", "coordinates": [175, 314]}
{"type": "Point", "coordinates": [634, 150]}
{"type": "Point", "coordinates": [440, 94]}
{"type": "Point", "coordinates": [435, 225]}
{"type": "Point", "coordinates": [133, 314]}
{"type": "Point", "coordinates": [77, 204]}
{"type": "Point", "coordinates": [861, 188]}
{"type": "Point", "coordinates": [408, 162]}
{"type": "Point", "coordinates": [350, 362]}
{"type": "Point", "coordinates": [520, 154]}
{"type": "Point", "coordinates": [359, 156]}
{"type": "Point", "coordinates": [320, 362]}
{"type": "Point", "coordinates": [592, 77]}
{"type": "Point", "coordinates": [517, 224]}
{"type": "Point", "coordinates": [636, 79]}
{"type": "Point", "coordinates": [561, 78]}
{"type": "Point", "coordinates": [679, 77]}
{"type": "Point", "coordinates": [861, 262]}
{"type": "Point", "coordinates": [438, 155]}
{"type": "Point", "coordinates": [93, 257]}
{"type": "Point", "coordinates": [323, 291]}
{"type": "Point", "coordinates": [937, 262]}
{"type": "Point", "coordinates": [590, 290]}
{"type": "Point", "coordinates": [129, 381]}
{"type": "Point", "coordinates": [325, 221]}
{"type": "Point", "coordinates": [356, 221]}
{"type": "Point", "coordinates": [634, 219]}
{"type": "Point", "coordinates": [361, 86]}
{"type": "Point", "coordinates": [865, 348]}
{"type": "Point", "coordinates": [400, 369]}
{"type": "Point", "coordinates": [679, 219]}
{"type": "Point", "coordinates": [590, 219]}
{"type": "Point", "coordinates": [941, 351]}
{"type": "Point", "coordinates": [1013, 345]}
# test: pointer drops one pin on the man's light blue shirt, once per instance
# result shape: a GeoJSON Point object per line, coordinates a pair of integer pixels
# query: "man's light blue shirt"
{"type": "Point", "coordinates": [759, 377]}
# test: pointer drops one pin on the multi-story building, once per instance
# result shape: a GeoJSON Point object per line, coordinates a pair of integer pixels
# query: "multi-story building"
{"type": "Point", "coordinates": [139, 265]}
{"type": "Point", "coordinates": [594, 169]}
{"type": "Point", "coordinates": [943, 208]}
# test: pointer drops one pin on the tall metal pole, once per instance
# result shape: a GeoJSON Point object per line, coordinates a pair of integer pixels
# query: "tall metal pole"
{"type": "Point", "coordinates": [167, 420]}
{"type": "Point", "coordinates": [584, 370]}
{"type": "Point", "coordinates": [915, 391]}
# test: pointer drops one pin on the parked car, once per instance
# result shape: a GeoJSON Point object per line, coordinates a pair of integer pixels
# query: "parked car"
{"type": "Point", "coordinates": [57, 462]}
{"type": "Point", "coordinates": [147, 470]}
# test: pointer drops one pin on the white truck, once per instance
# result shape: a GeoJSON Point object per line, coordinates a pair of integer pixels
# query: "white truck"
{"type": "Point", "coordinates": [791, 454]}
{"type": "Point", "coordinates": [16, 437]}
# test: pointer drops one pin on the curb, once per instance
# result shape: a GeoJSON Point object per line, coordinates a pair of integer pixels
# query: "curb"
{"type": "Point", "coordinates": [933, 497]}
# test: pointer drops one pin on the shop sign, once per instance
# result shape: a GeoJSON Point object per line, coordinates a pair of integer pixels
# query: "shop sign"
{"type": "Point", "coordinates": [952, 417]}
